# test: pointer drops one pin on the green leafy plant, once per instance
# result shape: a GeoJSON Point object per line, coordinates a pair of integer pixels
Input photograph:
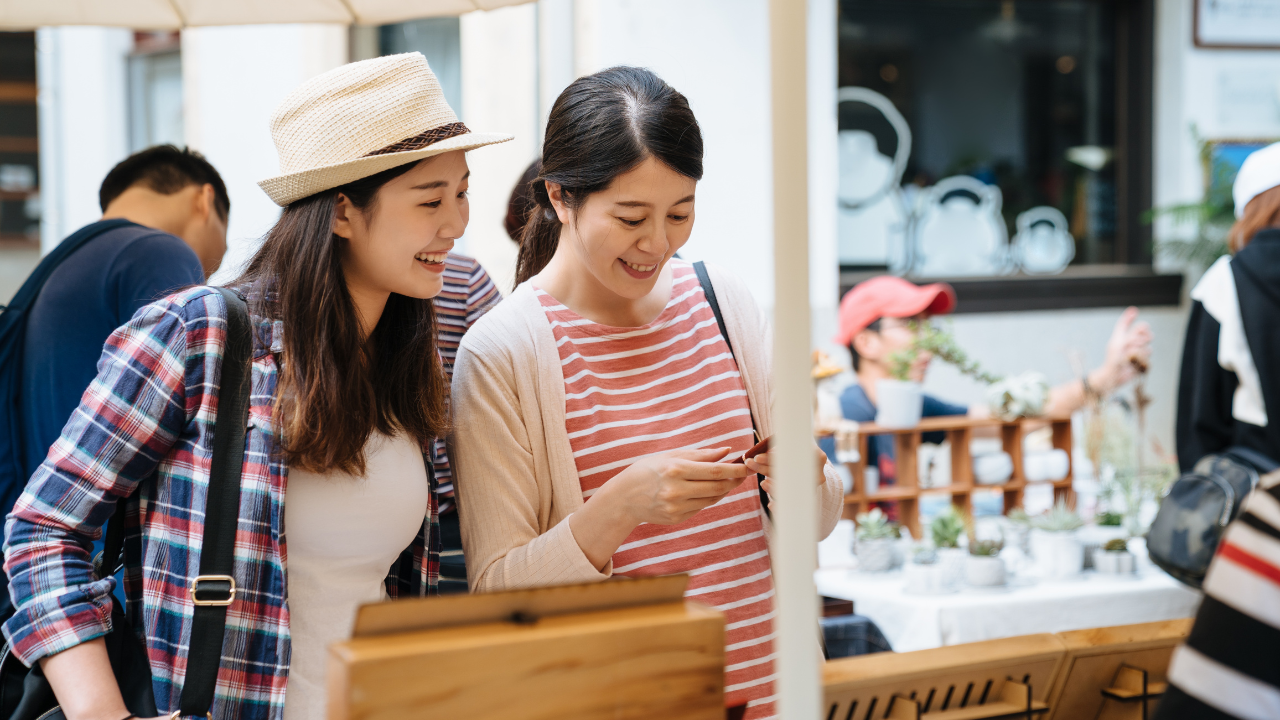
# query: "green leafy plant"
{"type": "Point", "coordinates": [942, 345]}
{"type": "Point", "coordinates": [1060, 518]}
{"type": "Point", "coordinates": [1018, 516]}
{"type": "Point", "coordinates": [947, 528]}
{"type": "Point", "coordinates": [1116, 545]}
{"type": "Point", "coordinates": [875, 525]}
{"type": "Point", "coordinates": [1212, 217]}
{"type": "Point", "coordinates": [985, 548]}
{"type": "Point", "coordinates": [1110, 519]}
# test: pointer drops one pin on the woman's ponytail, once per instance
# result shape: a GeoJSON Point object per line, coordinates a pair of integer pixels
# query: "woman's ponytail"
{"type": "Point", "coordinates": [541, 234]}
{"type": "Point", "coordinates": [601, 126]}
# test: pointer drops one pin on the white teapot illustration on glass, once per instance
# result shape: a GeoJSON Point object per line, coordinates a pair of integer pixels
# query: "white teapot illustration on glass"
{"type": "Point", "coordinates": [1043, 245]}
{"type": "Point", "coordinates": [960, 231]}
{"type": "Point", "coordinates": [872, 217]}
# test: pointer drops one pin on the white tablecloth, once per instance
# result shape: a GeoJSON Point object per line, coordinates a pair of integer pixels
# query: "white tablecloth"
{"type": "Point", "coordinates": [916, 622]}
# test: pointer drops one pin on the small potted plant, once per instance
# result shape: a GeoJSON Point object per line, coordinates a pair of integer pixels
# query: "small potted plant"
{"type": "Point", "coordinates": [983, 567]}
{"type": "Point", "coordinates": [1055, 543]}
{"type": "Point", "coordinates": [1114, 558]}
{"type": "Point", "coordinates": [924, 575]}
{"type": "Point", "coordinates": [877, 544]}
{"type": "Point", "coordinates": [945, 530]}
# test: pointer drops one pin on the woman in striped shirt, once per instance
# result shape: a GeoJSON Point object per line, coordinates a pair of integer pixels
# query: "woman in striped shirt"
{"type": "Point", "coordinates": [594, 406]}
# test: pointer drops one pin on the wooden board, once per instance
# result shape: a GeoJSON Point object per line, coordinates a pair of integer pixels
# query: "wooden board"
{"type": "Point", "coordinates": [449, 610]}
{"type": "Point", "coordinates": [942, 680]}
{"type": "Point", "coordinates": [654, 661]}
{"type": "Point", "coordinates": [1094, 657]}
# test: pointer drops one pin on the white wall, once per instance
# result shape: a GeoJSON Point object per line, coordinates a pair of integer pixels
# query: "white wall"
{"type": "Point", "coordinates": [499, 94]}
{"type": "Point", "coordinates": [83, 100]}
{"type": "Point", "coordinates": [233, 78]}
{"type": "Point", "coordinates": [1222, 94]}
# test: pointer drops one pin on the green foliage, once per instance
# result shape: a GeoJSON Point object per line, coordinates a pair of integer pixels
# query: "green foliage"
{"type": "Point", "coordinates": [875, 525]}
{"type": "Point", "coordinates": [1212, 217]}
{"type": "Point", "coordinates": [942, 345]}
{"type": "Point", "coordinates": [1116, 545]}
{"type": "Point", "coordinates": [1110, 519]}
{"type": "Point", "coordinates": [985, 548]}
{"type": "Point", "coordinates": [947, 528]}
{"type": "Point", "coordinates": [1058, 519]}
{"type": "Point", "coordinates": [1018, 516]}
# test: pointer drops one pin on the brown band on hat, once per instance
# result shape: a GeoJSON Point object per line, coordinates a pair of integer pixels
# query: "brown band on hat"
{"type": "Point", "coordinates": [417, 142]}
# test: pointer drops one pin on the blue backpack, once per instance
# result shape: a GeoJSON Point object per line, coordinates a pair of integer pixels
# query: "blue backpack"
{"type": "Point", "coordinates": [13, 332]}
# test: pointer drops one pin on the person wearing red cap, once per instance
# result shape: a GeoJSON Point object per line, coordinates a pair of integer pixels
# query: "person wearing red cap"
{"type": "Point", "coordinates": [875, 322]}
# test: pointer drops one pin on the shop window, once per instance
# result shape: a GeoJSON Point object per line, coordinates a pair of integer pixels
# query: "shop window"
{"type": "Point", "coordinates": [1045, 103]}
{"type": "Point", "coordinates": [19, 146]}
{"type": "Point", "coordinates": [155, 91]}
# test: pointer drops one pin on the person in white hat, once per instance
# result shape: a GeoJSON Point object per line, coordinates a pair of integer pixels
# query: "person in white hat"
{"type": "Point", "coordinates": [347, 393]}
{"type": "Point", "coordinates": [1228, 394]}
{"type": "Point", "coordinates": [1230, 383]}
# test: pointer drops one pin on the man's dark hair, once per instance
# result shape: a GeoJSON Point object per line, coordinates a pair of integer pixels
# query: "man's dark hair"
{"type": "Point", "coordinates": [164, 169]}
{"type": "Point", "coordinates": [853, 353]}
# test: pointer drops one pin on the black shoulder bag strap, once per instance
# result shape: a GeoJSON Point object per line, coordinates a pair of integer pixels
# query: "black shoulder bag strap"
{"type": "Point", "coordinates": [215, 587]}
{"type": "Point", "coordinates": [710, 292]}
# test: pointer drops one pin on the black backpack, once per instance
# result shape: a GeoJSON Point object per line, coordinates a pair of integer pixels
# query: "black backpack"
{"type": "Point", "coordinates": [1197, 509]}
{"type": "Point", "coordinates": [13, 331]}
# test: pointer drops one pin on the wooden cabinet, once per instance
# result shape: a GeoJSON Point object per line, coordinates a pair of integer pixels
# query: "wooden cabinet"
{"type": "Point", "coordinates": [959, 431]}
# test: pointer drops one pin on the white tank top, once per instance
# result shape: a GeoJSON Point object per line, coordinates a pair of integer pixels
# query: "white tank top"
{"type": "Point", "coordinates": [342, 533]}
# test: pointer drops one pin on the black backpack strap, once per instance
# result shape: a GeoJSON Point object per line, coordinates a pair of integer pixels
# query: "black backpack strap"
{"type": "Point", "coordinates": [1261, 463]}
{"type": "Point", "coordinates": [215, 588]}
{"type": "Point", "coordinates": [710, 292]}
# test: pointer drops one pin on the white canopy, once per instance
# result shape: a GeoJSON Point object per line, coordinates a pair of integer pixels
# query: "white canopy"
{"type": "Point", "coordinates": [175, 14]}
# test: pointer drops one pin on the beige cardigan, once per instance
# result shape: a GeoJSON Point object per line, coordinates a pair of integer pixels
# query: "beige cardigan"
{"type": "Point", "coordinates": [515, 477]}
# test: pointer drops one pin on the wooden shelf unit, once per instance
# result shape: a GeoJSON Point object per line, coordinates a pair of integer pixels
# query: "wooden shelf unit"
{"type": "Point", "coordinates": [959, 430]}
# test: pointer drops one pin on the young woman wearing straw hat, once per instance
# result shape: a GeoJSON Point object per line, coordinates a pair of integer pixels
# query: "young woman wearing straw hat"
{"type": "Point", "coordinates": [593, 406]}
{"type": "Point", "coordinates": [346, 393]}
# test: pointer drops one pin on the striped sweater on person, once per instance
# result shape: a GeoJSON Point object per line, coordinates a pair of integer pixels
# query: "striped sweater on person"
{"type": "Point", "coordinates": [670, 385]}
{"type": "Point", "coordinates": [467, 295]}
{"type": "Point", "coordinates": [1229, 668]}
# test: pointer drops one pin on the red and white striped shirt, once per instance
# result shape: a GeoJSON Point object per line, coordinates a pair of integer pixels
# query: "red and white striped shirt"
{"type": "Point", "coordinates": [671, 385]}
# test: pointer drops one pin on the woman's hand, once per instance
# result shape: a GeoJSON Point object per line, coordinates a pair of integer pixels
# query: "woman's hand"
{"type": "Point", "coordinates": [663, 489]}
{"type": "Point", "coordinates": [1128, 351]}
{"type": "Point", "coordinates": [760, 464]}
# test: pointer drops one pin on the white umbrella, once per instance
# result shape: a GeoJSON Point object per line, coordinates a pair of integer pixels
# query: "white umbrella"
{"type": "Point", "coordinates": [175, 14]}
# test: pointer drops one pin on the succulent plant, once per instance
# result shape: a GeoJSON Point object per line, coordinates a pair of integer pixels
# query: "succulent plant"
{"type": "Point", "coordinates": [1116, 545]}
{"type": "Point", "coordinates": [875, 525]}
{"type": "Point", "coordinates": [1060, 518]}
{"type": "Point", "coordinates": [985, 548]}
{"type": "Point", "coordinates": [1110, 519]}
{"type": "Point", "coordinates": [924, 556]}
{"type": "Point", "coordinates": [947, 528]}
{"type": "Point", "coordinates": [1018, 516]}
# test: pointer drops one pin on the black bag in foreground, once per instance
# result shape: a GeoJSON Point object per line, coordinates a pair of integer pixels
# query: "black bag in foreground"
{"type": "Point", "coordinates": [25, 693]}
{"type": "Point", "coordinates": [1193, 515]}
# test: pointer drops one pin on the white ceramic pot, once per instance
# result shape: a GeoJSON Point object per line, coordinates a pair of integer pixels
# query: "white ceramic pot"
{"type": "Point", "coordinates": [1114, 563]}
{"type": "Point", "coordinates": [1046, 465]}
{"type": "Point", "coordinates": [926, 580]}
{"type": "Point", "coordinates": [984, 570]}
{"type": "Point", "coordinates": [899, 403]}
{"type": "Point", "coordinates": [1057, 554]}
{"type": "Point", "coordinates": [952, 562]}
{"type": "Point", "coordinates": [879, 555]}
{"type": "Point", "coordinates": [993, 468]}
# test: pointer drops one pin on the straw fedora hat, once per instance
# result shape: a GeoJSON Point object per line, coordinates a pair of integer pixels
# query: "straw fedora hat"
{"type": "Point", "coordinates": [360, 119]}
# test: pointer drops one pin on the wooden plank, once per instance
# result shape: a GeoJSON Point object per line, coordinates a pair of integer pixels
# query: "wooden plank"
{"type": "Point", "coordinates": [17, 92]}
{"type": "Point", "coordinates": [949, 422]}
{"type": "Point", "coordinates": [452, 610]}
{"type": "Point", "coordinates": [1095, 656]}
{"type": "Point", "coordinates": [13, 144]}
{"type": "Point", "coordinates": [653, 661]}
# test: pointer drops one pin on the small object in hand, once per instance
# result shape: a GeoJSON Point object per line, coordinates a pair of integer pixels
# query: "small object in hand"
{"type": "Point", "coordinates": [1139, 365]}
{"type": "Point", "coordinates": [760, 447]}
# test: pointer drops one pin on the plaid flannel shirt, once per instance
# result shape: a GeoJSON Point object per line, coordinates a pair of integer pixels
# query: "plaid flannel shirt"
{"type": "Point", "coordinates": [468, 294]}
{"type": "Point", "coordinates": [144, 431]}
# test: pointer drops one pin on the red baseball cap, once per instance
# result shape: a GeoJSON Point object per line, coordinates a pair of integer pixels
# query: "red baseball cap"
{"type": "Point", "coordinates": [889, 296]}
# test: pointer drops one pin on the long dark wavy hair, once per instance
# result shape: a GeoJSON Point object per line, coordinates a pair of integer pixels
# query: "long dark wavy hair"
{"type": "Point", "coordinates": [600, 127]}
{"type": "Point", "coordinates": [335, 387]}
